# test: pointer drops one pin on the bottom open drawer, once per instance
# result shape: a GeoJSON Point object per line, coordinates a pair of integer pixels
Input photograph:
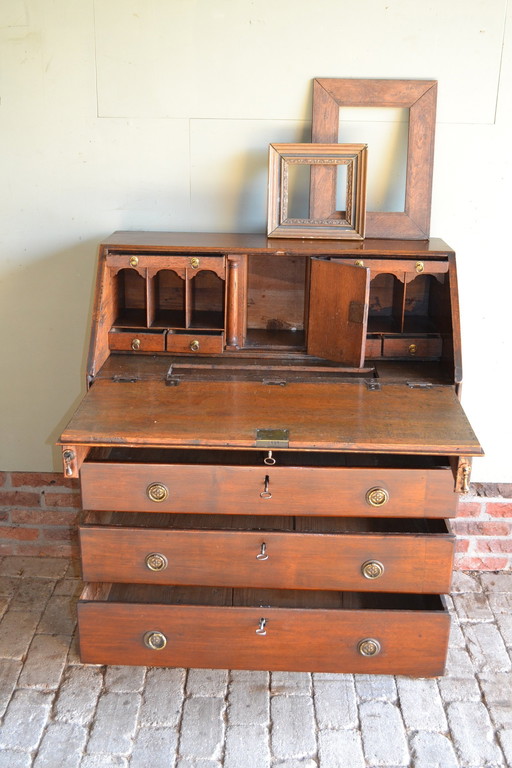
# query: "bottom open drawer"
{"type": "Point", "coordinates": [265, 629]}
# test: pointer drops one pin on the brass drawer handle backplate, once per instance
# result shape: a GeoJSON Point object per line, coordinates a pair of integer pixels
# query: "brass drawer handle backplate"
{"type": "Point", "coordinates": [369, 647]}
{"type": "Point", "coordinates": [377, 497]}
{"type": "Point", "coordinates": [372, 569]}
{"type": "Point", "coordinates": [156, 561]}
{"type": "Point", "coordinates": [157, 492]}
{"type": "Point", "coordinates": [154, 640]}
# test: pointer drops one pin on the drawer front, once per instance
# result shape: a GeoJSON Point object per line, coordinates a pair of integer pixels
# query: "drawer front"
{"type": "Point", "coordinates": [318, 640]}
{"type": "Point", "coordinates": [154, 263]}
{"type": "Point", "coordinates": [327, 491]}
{"type": "Point", "coordinates": [134, 341]}
{"type": "Point", "coordinates": [393, 346]}
{"type": "Point", "coordinates": [355, 562]}
{"type": "Point", "coordinates": [195, 343]}
{"type": "Point", "coordinates": [373, 347]}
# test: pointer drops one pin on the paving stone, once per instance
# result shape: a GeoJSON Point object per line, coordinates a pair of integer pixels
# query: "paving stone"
{"type": "Point", "coordinates": [504, 623]}
{"type": "Point", "coordinates": [162, 697]}
{"type": "Point", "coordinates": [290, 683]}
{"type": "Point", "coordinates": [472, 606]}
{"type": "Point", "coordinates": [154, 747]}
{"type": "Point", "coordinates": [432, 750]}
{"type": "Point", "coordinates": [103, 761]}
{"type": "Point", "coordinates": [383, 734]}
{"type": "Point", "coordinates": [247, 746]}
{"type": "Point", "coordinates": [124, 679]}
{"type": "Point", "coordinates": [486, 648]}
{"type": "Point", "coordinates": [59, 617]}
{"type": "Point", "coordinates": [293, 727]}
{"type": "Point", "coordinates": [62, 745]}
{"type": "Point", "coordinates": [473, 734]}
{"type": "Point", "coordinates": [16, 631]}
{"type": "Point", "coordinates": [11, 759]}
{"type": "Point", "coordinates": [505, 739]}
{"type": "Point", "coordinates": [78, 694]}
{"type": "Point", "coordinates": [4, 604]}
{"type": "Point", "coordinates": [188, 762]}
{"type": "Point", "coordinates": [32, 593]}
{"type": "Point", "coordinates": [9, 585]}
{"type": "Point", "coordinates": [336, 676]}
{"type": "Point", "coordinates": [459, 664]}
{"type": "Point", "coordinates": [202, 727]}
{"type": "Point", "coordinates": [41, 567]}
{"type": "Point", "coordinates": [68, 587]}
{"type": "Point", "coordinates": [114, 725]}
{"type": "Point", "coordinates": [457, 639]}
{"type": "Point", "coordinates": [45, 662]}
{"type": "Point", "coordinates": [375, 687]}
{"type": "Point", "coordinates": [9, 673]}
{"type": "Point", "coordinates": [25, 719]}
{"type": "Point", "coordinates": [500, 603]}
{"type": "Point", "coordinates": [207, 682]}
{"type": "Point", "coordinates": [497, 582]}
{"type": "Point", "coordinates": [74, 651]}
{"type": "Point", "coordinates": [422, 708]}
{"type": "Point", "coordinates": [459, 689]}
{"type": "Point", "coordinates": [307, 763]}
{"type": "Point", "coordinates": [335, 704]}
{"type": "Point", "coordinates": [462, 581]}
{"type": "Point", "coordinates": [340, 749]}
{"type": "Point", "coordinates": [248, 698]}
{"type": "Point", "coordinates": [497, 691]}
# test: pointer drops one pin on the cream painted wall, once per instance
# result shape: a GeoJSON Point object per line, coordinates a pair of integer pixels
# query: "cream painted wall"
{"type": "Point", "coordinates": [156, 114]}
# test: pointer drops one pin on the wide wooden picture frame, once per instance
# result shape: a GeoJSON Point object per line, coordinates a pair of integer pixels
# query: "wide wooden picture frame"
{"type": "Point", "coordinates": [339, 225]}
{"type": "Point", "coordinates": [420, 98]}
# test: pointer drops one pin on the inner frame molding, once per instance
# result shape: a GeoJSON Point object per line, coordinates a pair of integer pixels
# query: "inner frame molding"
{"type": "Point", "coordinates": [331, 224]}
{"type": "Point", "coordinates": [420, 98]}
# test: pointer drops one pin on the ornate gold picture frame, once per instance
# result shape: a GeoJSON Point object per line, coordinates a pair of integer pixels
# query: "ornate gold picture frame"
{"type": "Point", "coordinates": [347, 224]}
{"type": "Point", "coordinates": [419, 97]}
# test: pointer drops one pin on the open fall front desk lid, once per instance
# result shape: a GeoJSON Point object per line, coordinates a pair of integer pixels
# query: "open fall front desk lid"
{"type": "Point", "coordinates": [347, 416]}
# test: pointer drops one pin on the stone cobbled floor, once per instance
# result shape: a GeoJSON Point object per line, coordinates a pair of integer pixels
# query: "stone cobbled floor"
{"type": "Point", "coordinates": [58, 713]}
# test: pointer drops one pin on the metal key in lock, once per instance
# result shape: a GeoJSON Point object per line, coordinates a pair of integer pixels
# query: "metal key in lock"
{"type": "Point", "coordinates": [265, 493]}
{"type": "Point", "coordinates": [262, 554]}
{"type": "Point", "coordinates": [262, 627]}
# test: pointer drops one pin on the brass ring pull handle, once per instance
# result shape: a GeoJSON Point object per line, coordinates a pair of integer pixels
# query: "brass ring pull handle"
{"type": "Point", "coordinates": [262, 554]}
{"type": "Point", "coordinates": [194, 262]}
{"type": "Point", "coordinates": [157, 492]}
{"type": "Point", "coordinates": [194, 345]}
{"type": "Point", "coordinates": [412, 349]}
{"type": "Point", "coordinates": [156, 561]}
{"type": "Point", "coordinates": [135, 344]}
{"type": "Point", "coordinates": [369, 647]}
{"type": "Point", "coordinates": [265, 493]}
{"type": "Point", "coordinates": [154, 640]}
{"type": "Point", "coordinates": [261, 628]}
{"type": "Point", "coordinates": [134, 260]}
{"type": "Point", "coordinates": [420, 267]}
{"type": "Point", "coordinates": [377, 497]}
{"type": "Point", "coordinates": [269, 459]}
{"type": "Point", "coordinates": [372, 569]}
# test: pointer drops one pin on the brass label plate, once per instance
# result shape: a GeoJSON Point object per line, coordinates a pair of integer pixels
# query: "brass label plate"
{"type": "Point", "coordinates": [272, 438]}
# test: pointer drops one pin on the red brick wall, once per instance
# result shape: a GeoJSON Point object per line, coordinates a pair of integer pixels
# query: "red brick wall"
{"type": "Point", "coordinates": [39, 512]}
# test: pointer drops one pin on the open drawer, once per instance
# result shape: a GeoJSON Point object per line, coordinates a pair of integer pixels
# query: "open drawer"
{"type": "Point", "coordinates": [362, 554]}
{"type": "Point", "coordinates": [263, 629]}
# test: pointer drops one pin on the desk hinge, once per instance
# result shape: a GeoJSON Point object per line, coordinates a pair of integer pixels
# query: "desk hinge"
{"type": "Point", "coordinates": [125, 379]}
{"type": "Point", "coordinates": [419, 384]}
{"type": "Point", "coordinates": [373, 385]}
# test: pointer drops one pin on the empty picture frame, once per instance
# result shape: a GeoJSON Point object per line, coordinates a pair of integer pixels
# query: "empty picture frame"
{"type": "Point", "coordinates": [419, 97]}
{"type": "Point", "coordinates": [347, 166]}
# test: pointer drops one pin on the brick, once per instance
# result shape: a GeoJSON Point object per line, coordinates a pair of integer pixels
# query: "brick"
{"type": "Point", "coordinates": [499, 509]}
{"type": "Point", "coordinates": [432, 750]}
{"type": "Point", "coordinates": [486, 648]}
{"type": "Point", "coordinates": [202, 728]}
{"type": "Point", "coordinates": [207, 682]}
{"type": "Point", "coordinates": [422, 708]}
{"type": "Point", "coordinates": [59, 617]}
{"type": "Point", "coordinates": [340, 749]}
{"type": "Point", "coordinates": [42, 479]}
{"type": "Point", "coordinates": [25, 720]}
{"type": "Point", "coordinates": [78, 694]}
{"type": "Point", "coordinates": [470, 509]}
{"type": "Point", "coordinates": [20, 534]}
{"type": "Point", "coordinates": [115, 723]}
{"type": "Point", "coordinates": [493, 546]}
{"type": "Point", "coordinates": [465, 582]}
{"type": "Point", "coordinates": [472, 606]}
{"type": "Point", "coordinates": [462, 545]}
{"type": "Point", "coordinates": [4, 517]}
{"type": "Point", "coordinates": [45, 662]}
{"type": "Point", "coordinates": [124, 679]}
{"type": "Point", "coordinates": [293, 726]}
{"type": "Point", "coordinates": [249, 699]}
{"type": "Point", "coordinates": [19, 499]}
{"type": "Point", "coordinates": [376, 687]}
{"type": "Point", "coordinates": [11, 759]}
{"type": "Point", "coordinates": [42, 550]}
{"type": "Point", "coordinates": [62, 745]}
{"type": "Point", "coordinates": [3, 478]}
{"type": "Point", "coordinates": [45, 568]}
{"type": "Point", "coordinates": [68, 500]}
{"type": "Point", "coordinates": [154, 747]}
{"type": "Point", "coordinates": [488, 563]}
{"type": "Point", "coordinates": [16, 631]}
{"type": "Point", "coordinates": [9, 673]}
{"type": "Point", "coordinates": [473, 734]}
{"type": "Point", "coordinates": [162, 697]}
{"type": "Point", "coordinates": [247, 746]}
{"type": "Point", "coordinates": [335, 704]}
{"type": "Point", "coordinates": [290, 683]}
{"type": "Point", "coordinates": [481, 528]}
{"type": "Point", "coordinates": [383, 734]}
{"type": "Point", "coordinates": [44, 517]}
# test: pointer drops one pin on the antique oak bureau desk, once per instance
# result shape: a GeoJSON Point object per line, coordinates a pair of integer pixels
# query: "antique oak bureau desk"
{"type": "Point", "coordinates": [269, 449]}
